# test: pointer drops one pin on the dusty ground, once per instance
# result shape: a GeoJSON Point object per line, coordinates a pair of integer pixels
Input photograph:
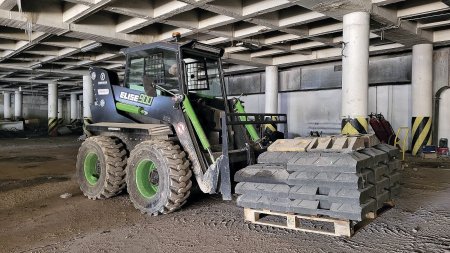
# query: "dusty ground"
{"type": "Point", "coordinates": [33, 217]}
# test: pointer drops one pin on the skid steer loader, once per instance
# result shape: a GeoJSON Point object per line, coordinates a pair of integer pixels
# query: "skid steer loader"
{"type": "Point", "coordinates": [170, 119]}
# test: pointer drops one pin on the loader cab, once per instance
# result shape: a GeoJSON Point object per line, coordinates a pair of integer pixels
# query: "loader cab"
{"type": "Point", "coordinates": [190, 68]}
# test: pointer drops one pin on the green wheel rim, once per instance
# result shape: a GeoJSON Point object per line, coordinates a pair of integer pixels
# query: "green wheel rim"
{"type": "Point", "coordinates": [147, 178]}
{"type": "Point", "coordinates": [91, 168]}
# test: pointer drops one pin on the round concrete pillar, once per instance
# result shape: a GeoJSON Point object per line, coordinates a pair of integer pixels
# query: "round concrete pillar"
{"type": "Point", "coordinates": [60, 111]}
{"type": "Point", "coordinates": [79, 108]}
{"type": "Point", "coordinates": [88, 96]}
{"type": "Point", "coordinates": [271, 92]}
{"type": "Point", "coordinates": [52, 109]}
{"type": "Point", "coordinates": [355, 73]}
{"type": "Point", "coordinates": [67, 114]}
{"type": "Point", "coordinates": [73, 108]}
{"type": "Point", "coordinates": [88, 100]}
{"type": "Point", "coordinates": [7, 105]}
{"type": "Point", "coordinates": [18, 105]}
{"type": "Point", "coordinates": [421, 96]}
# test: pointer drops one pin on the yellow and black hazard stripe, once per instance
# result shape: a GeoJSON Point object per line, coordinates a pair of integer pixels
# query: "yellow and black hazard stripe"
{"type": "Point", "coordinates": [354, 126]}
{"type": "Point", "coordinates": [86, 122]}
{"type": "Point", "coordinates": [52, 126]}
{"type": "Point", "coordinates": [421, 133]}
{"type": "Point", "coordinates": [60, 121]}
{"type": "Point", "coordinates": [73, 121]}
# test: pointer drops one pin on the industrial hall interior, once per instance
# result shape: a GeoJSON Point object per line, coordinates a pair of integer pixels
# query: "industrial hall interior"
{"type": "Point", "coordinates": [224, 126]}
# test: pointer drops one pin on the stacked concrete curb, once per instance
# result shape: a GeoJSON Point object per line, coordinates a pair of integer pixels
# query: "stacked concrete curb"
{"type": "Point", "coordinates": [347, 183]}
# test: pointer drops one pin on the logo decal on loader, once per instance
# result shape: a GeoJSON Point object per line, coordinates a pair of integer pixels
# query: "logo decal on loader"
{"type": "Point", "coordinates": [138, 98]}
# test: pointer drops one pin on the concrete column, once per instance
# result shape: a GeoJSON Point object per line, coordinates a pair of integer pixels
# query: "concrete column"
{"type": "Point", "coordinates": [18, 105]}
{"type": "Point", "coordinates": [60, 111]}
{"type": "Point", "coordinates": [80, 108]}
{"type": "Point", "coordinates": [67, 110]}
{"type": "Point", "coordinates": [421, 96]}
{"type": "Point", "coordinates": [52, 109]}
{"type": "Point", "coordinates": [7, 105]}
{"type": "Point", "coordinates": [73, 108]}
{"type": "Point", "coordinates": [88, 96]}
{"type": "Point", "coordinates": [355, 73]}
{"type": "Point", "coordinates": [88, 100]}
{"type": "Point", "coordinates": [444, 119]}
{"type": "Point", "coordinates": [271, 94]}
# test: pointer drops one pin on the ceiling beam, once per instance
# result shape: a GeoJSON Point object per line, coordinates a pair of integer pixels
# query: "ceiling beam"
{"type": "Point", "coordinates": [7, 4]}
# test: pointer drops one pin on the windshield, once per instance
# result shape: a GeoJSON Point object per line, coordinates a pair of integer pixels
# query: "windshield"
{"type": "Point", "coordinates": [159, 64]}
{"type": "Point", "coordinates": [202, 75]}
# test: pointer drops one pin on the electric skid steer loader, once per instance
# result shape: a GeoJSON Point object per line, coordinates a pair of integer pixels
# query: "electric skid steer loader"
{"type": "Point", "coordinates": [168, 120]}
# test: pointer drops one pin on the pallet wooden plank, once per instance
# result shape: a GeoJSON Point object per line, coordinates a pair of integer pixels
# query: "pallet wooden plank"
{"type": "Point", "coordinates": [341, 227]}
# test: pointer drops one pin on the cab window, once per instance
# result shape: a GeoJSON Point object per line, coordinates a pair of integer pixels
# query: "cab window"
{"type": "Point", "coordinates": [160, 65]}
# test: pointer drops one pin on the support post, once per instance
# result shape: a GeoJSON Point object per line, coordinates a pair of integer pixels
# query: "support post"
{"type": "Point", "coordinates": [88, 100]}
{"type": "Point", "coordinates": [67, 114]}
{"type": "Point", "coordinates": [355, 73]}
{"type": "Point", "coordinates": [73, 108]}
{"type": "Point", "coordinates": [52, 109]}
{"type": "Point", "coordinates": [271, 96]}
{"type": "Point", "coordinates": [421, 96]}
{"type": "Point", "coordinates": [18, 105]}
{"type": "Point", "coordinates": [60, 112]}
{"type": "Point", "coordinates": [271, 92]}
{"type": "Point", "coordinates": [7, 105]}
{"type": "Point", "coordinates": [80, 108]}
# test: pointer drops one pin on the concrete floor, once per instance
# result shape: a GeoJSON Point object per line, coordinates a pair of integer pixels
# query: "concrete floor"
{"type": "Point", "coordinates": [33, 217]}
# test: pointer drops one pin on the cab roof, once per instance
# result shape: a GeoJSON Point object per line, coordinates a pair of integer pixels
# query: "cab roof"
{"type": "Point", "coordinates": [192, 45]}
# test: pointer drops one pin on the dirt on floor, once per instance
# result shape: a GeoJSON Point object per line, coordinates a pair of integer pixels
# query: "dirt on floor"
{"type": "Point", "coordinates": [34, 218]}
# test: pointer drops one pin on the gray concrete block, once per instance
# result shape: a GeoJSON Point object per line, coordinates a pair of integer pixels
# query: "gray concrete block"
{"type": "Point", "coordinates": [394, 165]}
{"type": "Point", "coordinates": [278, 204]}
{"type": "Point", "coordinates": [332, 194]}
{"type": "Point", "coordinates": [249, 201]}
{"type": "Point", "coordinates": [329, 179]}
{"type": "Point", "coordinates": [262, 175]}
{"type": "Point", "coordinates": [349, 211]}
{"type": "Point", "coordinates": [394, 191]}
{"type": "Point", "coordinates": [381, 185]}
{"type": "Point", "coordinates": [275, 157]}
{"type": "Point", "coordinates": [324, 204]}
{"type": "Point", "coordinates": [392, 151]}
{"type": "Point", "coordinates": [308, 207]}
{"type": "Point", "coordinates": [381, 199]}
{"type": "Point", "coordinates": [258, 189]}
{"type": "Point", "coordinates": [377, 173]}
{"type": "Point", "coordinates": [306, 192]}
{"type": "Point", "coordinates": [394, 178]}
{"type": "Point", "coordinates": [350, 195]}
{"type": "Point", "coordinates": [377, 155]}
{"type": "Point", "coordinates": [329, 162]}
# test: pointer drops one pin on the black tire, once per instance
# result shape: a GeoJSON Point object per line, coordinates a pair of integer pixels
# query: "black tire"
{"type": "Point", "coordinates": [158, 177]}
{"type": "Point", "coordinates": [110, 158]}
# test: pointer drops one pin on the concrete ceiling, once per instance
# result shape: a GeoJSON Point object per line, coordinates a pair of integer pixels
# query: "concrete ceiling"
{"type": "Point", "coordinates": [56, 41]}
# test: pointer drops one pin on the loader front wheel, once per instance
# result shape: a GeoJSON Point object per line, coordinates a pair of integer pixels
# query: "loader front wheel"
{"type": "Point", "coordinates": [100, 166]}
{"type": "Point", "coordinates": [158, 177]}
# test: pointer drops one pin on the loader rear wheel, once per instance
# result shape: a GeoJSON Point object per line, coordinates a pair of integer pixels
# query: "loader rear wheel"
{"type": "Point", "coordinates": [101, 165]}
{"type": "Point", "coordinates": [158, 177]}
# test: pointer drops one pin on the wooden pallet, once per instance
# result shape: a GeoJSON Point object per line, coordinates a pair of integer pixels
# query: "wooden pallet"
{"type": "Point", "coordinates": [341, 227]}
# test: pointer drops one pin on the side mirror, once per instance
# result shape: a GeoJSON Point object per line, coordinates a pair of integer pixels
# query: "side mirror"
{"type": "Point", "coordinates": [149, 86]}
